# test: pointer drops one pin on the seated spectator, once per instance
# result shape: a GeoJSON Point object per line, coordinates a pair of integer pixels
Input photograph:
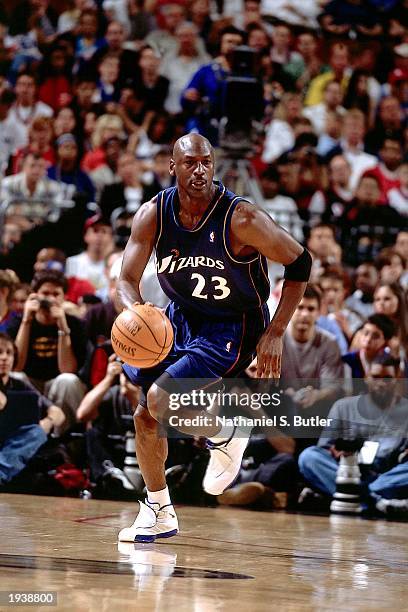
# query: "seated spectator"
{"type": "Point", "coordinates": [130, 192]}
{"type": "Point", "coordinates": [26, 108]}
{"type": "Point", "coordinates": [389, 300]}
{"type": "Point", "coordinates": [55, 88]}
{"type": "Point", "coordinates": [107, 173]}
{"type": "Point", "coordinates": [398, 195]}
{"type": "Point", "coordinates": [311, 177]}
{"type": "Point", "coordinates": [390, 265]}
{"type": "Point", "coordinates": [107, 126]}
{"type": "Point", "coordinates": [32, 183]}
{"type": "Point", "coordinates": [365, 282]}
{"type": "Point", "coordinates": [309, 63]}
{"type": "Point", "coordinates": [21, 445]}
{"type": "Point", "coordinates": [323, 248]}
{"type": "Point", "coordinates": [179, 65]}
{"type": "Point", "coordinates": [87, 39]}
{"type": "Point", "coordinates": [163, 39]}
{"type": "Point", "coordinates": [330, 137]}
{"type": "Point", "coordinates": [148, 82]}
{"type": "Point", "coordinates": [65, 122]}
{"type": "Point", "coordinates": [364, 211]}
{"type": "Point", "coordinates": [374, 337]}
{"type": "Point", "coordinates": [115, 37]}
{"type": "Point", "coordinates": [389, 122]}
{"type": "Point", "coordinates": [390, 158]}
{"type": "Point", "coordinates": [332, 102]}
{"type": "Point", "coordinates": [380, 415]}
{"type": "Point", "coordinates": [334, 283]}
{"type": "Point", "coordinates": [281, 208]}
{"type": "Point", "coordinates": [357, 94]}
{"type": "Point", "coordinates": [339, 61]}
{"type": "Point", "coordinates": [339, 194]}
{"type": "Point", "coordinates": [71, 179]}
{"type": "Point", "coordinates": [327, 320]}
{"type": "Point", "coordinates": [281, 52]}
{"type": "Point", "coordinates": [40, 141]}
{"type": "Point", "coordinates": [352, 146]}
{"type": "Point", "coordinates": [19, 297]}
{"type": "Point", "coordinates": [90, 264]}
{"type": "Point", "coordinates": [8, 283]}
{"type": "Point", "coordinates": [50, 258]}
{"type": "Point", "coordinates": [280, 135]}
{"type": "Point", "coordinates": [312, 370]}
{"type": "Point", "coordinates": [51, 345]}
{"type": "Point", "coordinates": [107, 89]}
{"type": "Point", "coordinates": [110, 406]}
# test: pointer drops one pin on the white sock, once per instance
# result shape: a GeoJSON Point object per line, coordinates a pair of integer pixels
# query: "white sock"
{"type": "Point", "coordinates": [161, 497]}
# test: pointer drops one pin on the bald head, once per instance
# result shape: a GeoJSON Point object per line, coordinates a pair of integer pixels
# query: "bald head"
{"type": "Point", "coordinates": [192, 144]}
{"type": "Point", "coordinates": [193, 166]}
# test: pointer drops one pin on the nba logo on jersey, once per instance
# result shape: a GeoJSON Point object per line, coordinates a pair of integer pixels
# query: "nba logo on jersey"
{"type": "Point", "coordinates": [228, 346]}
{"type": "Point", "coordinates": [212, 237]}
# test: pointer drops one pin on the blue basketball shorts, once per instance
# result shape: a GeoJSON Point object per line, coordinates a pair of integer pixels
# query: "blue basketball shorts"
{"type": "Point", "coordinates": [205, 349]}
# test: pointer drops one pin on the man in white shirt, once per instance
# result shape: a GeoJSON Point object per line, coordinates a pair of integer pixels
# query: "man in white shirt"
{"type": "Point", "coordinates": [90, 264]}
{"type": "Point", "coordinates": [26, 108]}
{"type": "Point", "coordinates": [332, 99]}
{"type": "Point", "coordinates": [25, 189]}
{"type": "Point", "coordinates": [352, 146]}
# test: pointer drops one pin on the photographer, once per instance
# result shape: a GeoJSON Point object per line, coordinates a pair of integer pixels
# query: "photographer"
{"type": "Point", "coordinates": [380, 416]}
{"type": "Point", "coordinates": [110, 405]}
{"type": "Point", "coordinates": [51, 345]}
{"type": "Point", "coordinates": [20, 444]}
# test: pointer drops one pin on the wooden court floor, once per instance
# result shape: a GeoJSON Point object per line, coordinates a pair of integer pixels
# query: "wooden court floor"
{"type": "Point", "coordinates": [224, 559]}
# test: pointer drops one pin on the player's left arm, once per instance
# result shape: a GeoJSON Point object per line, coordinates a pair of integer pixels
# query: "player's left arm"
{"type": "Point", "coordinates": [252, 227]}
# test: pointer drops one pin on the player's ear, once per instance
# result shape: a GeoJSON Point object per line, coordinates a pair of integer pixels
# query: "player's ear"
{"type": "Point", "coordinates": [171, 167]}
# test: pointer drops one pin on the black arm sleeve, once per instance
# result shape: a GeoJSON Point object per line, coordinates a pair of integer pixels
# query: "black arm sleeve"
{"type": "Point", "coordinates": [299, 270]}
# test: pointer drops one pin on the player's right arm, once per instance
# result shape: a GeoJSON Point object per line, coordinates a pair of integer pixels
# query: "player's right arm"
{"type": "Point", "coordinates": [137, 254]}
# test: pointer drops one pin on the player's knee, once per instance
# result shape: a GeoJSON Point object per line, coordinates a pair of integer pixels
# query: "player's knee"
{"type": "Point", "coordinates": [307, 459]}
{"type": "Point", "coordinates": [145, 424]}
{"type": "Point", "coordinates": [157, 403]}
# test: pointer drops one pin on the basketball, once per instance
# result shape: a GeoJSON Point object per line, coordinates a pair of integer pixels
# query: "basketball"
{"type": "Point", "coordinates": [142, 336]}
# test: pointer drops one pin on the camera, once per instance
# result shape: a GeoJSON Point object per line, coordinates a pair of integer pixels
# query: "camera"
{"type": "Point", "coordinates": [45, 304]}
{"type": "Point", "coordinates": [242, 103]}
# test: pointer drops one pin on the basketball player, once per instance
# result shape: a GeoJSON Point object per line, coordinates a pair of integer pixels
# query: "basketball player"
{"type": "Point", "coordinates": [210, 247]}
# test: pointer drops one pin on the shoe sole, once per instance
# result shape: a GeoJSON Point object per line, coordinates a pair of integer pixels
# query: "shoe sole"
{"type": "Point", "coordinates": [152, 538]}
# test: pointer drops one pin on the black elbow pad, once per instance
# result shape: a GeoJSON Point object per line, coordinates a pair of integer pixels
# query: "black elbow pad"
{"type": "Point", "coordinates": [299, 270]}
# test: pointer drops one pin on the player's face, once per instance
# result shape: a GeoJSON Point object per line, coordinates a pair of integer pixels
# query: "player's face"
{"type": "Point", "coordinates": [194, 169]}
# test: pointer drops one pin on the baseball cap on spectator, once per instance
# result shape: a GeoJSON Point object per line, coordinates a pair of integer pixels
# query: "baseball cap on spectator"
{"type": "Point", "coordinates": [97, 219]}
{"type": "Point", "coordinates": [397, 75]}
{"type": "Point", "coordinates": [65, 138]}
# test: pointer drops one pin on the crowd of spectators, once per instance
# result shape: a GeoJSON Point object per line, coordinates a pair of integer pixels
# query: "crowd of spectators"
{"type": "Point", "coordinates": [93, 94]}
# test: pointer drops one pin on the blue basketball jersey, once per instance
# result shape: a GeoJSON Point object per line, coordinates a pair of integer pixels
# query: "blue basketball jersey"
{"type": "Point", "coordinates": [196, 267]}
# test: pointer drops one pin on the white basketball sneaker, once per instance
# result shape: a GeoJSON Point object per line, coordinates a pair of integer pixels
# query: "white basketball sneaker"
{"type": "Point", "coordinates": [225, 461]}
{"type": "Point", "coordinates": [151, 522]}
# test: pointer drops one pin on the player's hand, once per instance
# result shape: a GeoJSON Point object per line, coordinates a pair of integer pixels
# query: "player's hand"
{"type": "Point", "coordinates": [269, 356]}
{"type": "Point", "coordinates": [192, 95]}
